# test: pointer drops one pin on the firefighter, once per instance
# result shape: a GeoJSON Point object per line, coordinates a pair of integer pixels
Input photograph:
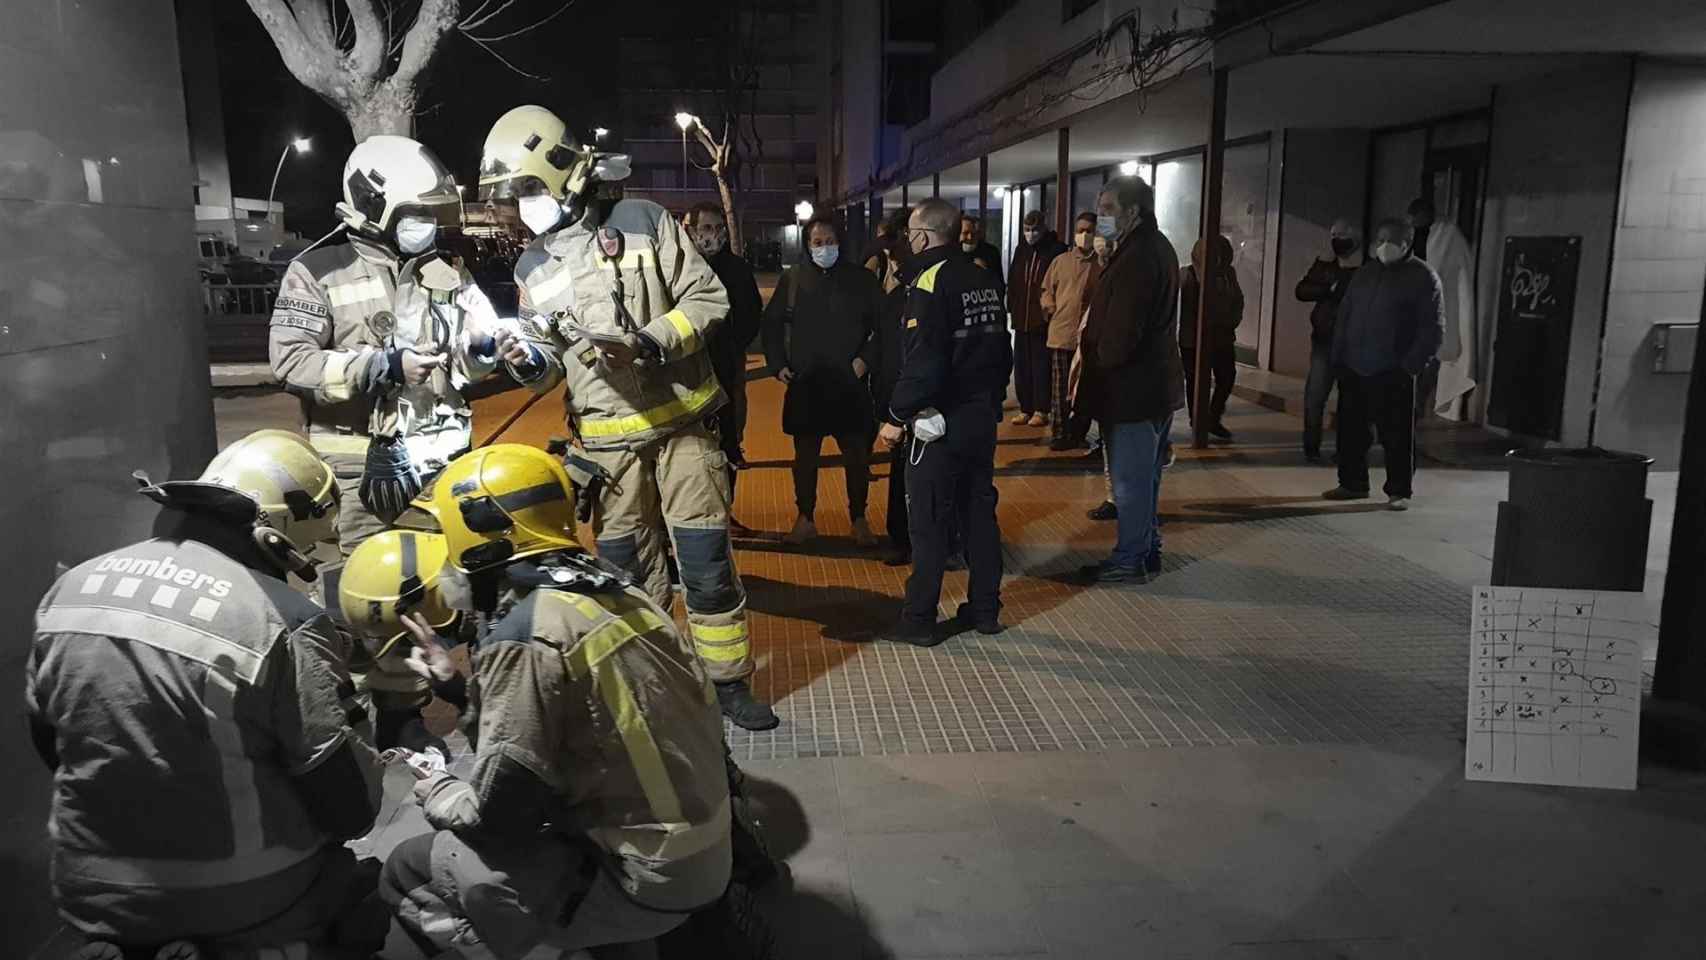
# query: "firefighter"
{"type": "Point", "coordinates": [598, 810]}
{"type": "Point", "coordinates": [617, 303]}
{"type": "Point", "coordinates": [191, 706]}
{"type": "Point", "coordinates": [378, 338]}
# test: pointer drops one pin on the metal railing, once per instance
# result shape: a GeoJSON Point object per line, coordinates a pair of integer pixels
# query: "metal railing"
{"type": "Point", "coordinates": [235, 316]}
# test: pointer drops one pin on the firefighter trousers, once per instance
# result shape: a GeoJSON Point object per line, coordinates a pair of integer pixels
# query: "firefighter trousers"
{"type": "Point", "coordinates": [678, 486]}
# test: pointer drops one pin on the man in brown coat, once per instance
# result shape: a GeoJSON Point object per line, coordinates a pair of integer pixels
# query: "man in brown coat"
{"type": "Point", "coordinates": [1133, 382]}
{"type": "Point", "coordinates": [1065, 291]}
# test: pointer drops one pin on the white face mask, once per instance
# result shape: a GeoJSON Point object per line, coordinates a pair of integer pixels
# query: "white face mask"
{"type": "Point", "coordinates": [928, 427]}
{"type": "Point", "coordinates": [1107, 226]}
{"type": "Point", "coordinates": [825, 257]}
{"type": "Point", "coordinates": [416, 234]}
{"type": "Point", "coordinates": [1082, 239]}
{"type": "Point", "coordinates": [1388, 252]}
{"type": "Point", "coordinates": [1032, 236]}
{"type": "Point", "coordinates": [968, 247]}
{"type": "Point", "coordinates": [540, 212]}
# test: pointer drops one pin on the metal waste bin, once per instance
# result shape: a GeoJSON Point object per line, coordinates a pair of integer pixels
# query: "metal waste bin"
{"type": "Point", "coordinates": [1575, 519]}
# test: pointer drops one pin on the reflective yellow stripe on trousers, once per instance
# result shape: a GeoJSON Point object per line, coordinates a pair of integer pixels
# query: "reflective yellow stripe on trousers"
{"type": "Point", "coordinates": [723, 643]}
{"type": "Point", "coordinates": [595, 648]}
{"type": "Point", "coordinates": [650, 419]}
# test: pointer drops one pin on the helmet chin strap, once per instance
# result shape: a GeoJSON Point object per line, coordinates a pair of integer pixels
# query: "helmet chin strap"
{"type": "Point", "coordinates": [281, 552]}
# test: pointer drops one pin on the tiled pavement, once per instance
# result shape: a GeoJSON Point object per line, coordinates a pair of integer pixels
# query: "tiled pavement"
{"type": "Point", "coordinates": [1256, 755]}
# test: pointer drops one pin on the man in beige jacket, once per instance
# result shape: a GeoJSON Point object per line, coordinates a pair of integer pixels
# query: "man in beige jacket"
{"type": "Point", "coordinates": [1063, 299]}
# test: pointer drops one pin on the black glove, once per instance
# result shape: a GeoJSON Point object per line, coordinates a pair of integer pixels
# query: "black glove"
{"type": "Point", "coordinates": [588, 475]}
{"type": "Point", "coordinates": [389, 482]}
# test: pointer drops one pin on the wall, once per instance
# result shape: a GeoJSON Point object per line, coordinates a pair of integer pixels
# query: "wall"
{"type": "Point", "coordinates": [1660, 263]}
{"type": "Point", "coordinates": [1553, 170]}
{"type": "Point", "coordinates": [1325, 178]}
{"type": "Point", "coordinates": [202, 103]}
{"type": "Point", "coordinates": [861, 116]}
{"type": "Point", "coordinates": [102, 365]}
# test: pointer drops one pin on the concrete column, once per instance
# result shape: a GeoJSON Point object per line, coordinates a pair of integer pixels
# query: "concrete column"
{"type": "Point", "coordinates": [1063, 181]}
{"type": "Point", "coordinates": [936, 184]}
{"type": "Point", "coordinates": [983, 189]}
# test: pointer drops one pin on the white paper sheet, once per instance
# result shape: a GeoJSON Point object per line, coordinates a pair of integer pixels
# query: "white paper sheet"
{"type": "Point", "coordinates": [1555, 686]}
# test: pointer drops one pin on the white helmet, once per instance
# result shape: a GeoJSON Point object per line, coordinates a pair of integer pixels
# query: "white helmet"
{"type": "Point", "coordinates": [386, 176]}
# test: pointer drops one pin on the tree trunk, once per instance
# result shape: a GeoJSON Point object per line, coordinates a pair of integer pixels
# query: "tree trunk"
{"type": "Point", "coordinates": [390, 108]}
{"type": "Point", "coordinates": [736, 242]}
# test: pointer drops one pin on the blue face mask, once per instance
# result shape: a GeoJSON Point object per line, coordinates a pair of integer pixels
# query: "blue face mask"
{"type": "Point", "coordinates": [1107, 227]}
{"type": "Point", "coordinates": [825, 257]}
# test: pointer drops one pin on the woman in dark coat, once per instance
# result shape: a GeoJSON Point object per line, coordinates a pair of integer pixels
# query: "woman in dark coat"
{"type": "Point", "coordinates": [1227, 305]}
{"type": "Point", "coordinates": [820, 339]}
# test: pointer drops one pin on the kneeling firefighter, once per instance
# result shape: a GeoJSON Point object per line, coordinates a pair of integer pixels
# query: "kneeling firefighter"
{"type": "Point", "coordinates": [378, 337]}
{"type": "Point", "coordinates": [192, 706]}
{"type": "Point", "coordinates": [598, 810]}
{"type": "Point", "coordinates": [641, 394]}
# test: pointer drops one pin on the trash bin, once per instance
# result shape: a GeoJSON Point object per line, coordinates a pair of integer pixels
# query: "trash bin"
{"type": "Point", "coordinates": [1575, 519]}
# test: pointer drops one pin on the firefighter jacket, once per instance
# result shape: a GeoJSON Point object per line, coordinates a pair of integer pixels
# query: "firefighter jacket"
{"type": "Point", "coordinates": [955, 348]}
{"type": "Point", "coordinates": [634, 253]}
{"type": "Point", "coordinates": [187, 704]}
{"type": "Point", "coordinates": [595, 719]}
{"type": "Point", "coordinates": [342, 317]}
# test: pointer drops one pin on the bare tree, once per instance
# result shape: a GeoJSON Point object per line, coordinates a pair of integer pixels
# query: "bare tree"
{"type": "Point", "coordinates": [369, 58]}
{"type": "Point", "coordinates": [737, 62]}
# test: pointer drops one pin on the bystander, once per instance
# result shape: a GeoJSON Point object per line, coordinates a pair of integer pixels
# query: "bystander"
{"type": "Point", "coordinates": [1226, 311]}
{"type": "Point", "coordinates": [1063, 297]}
{"type": "Point", "coordinates": [1038, 247]}
{"type": "Point", "coordinates": [1324, 286]}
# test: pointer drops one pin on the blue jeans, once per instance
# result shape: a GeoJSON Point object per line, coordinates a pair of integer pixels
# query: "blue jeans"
{"type": "Point", "coordinates": [1136, 453]}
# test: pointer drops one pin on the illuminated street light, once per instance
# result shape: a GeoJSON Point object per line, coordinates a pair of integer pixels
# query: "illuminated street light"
{"type": "Point", "coordinates": [300, 145]}
{"type": "Point", "coordinates": [802, 211]}
{"type": "Point", "coordinates": [1128, 168]}
{"type": "Point", "coordinates": [599, 133]}
{"type": "Point", "coordinates": [685, 121]}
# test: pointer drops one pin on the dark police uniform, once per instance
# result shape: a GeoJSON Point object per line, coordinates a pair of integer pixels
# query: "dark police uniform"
{"type": "Point", "coordinates": [957, 355]}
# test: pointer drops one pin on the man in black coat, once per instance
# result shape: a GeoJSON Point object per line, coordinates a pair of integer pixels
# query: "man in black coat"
{"type": "Point", "coordinates": [1032, 368]}
{"type": "Point", "coordinates": [896, 276]}
{"type": "Point", "coordinates": [820, 339]}
{"type": "Point", "coordinates": [710, 232]}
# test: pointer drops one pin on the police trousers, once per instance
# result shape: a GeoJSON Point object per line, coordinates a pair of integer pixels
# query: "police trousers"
{"type": "Point", "coordinates": [678, 487]}
{"type": "Point", "coordinates": [388, 681]}
{"type": "Point", "coordinates": [480, 898]}
{"type": "Point", "coordinates": [952, 482]}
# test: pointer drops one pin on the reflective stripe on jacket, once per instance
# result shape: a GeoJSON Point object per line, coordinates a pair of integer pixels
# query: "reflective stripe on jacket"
{"type": "Point", "coordinates": [339, 310]}
{"type": "Point", "coordinates": [185, 692]}
{"type": "Point", "coordinates": [566, 279]}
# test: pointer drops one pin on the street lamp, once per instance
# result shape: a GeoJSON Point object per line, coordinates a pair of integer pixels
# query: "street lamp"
{"type": "Point", "coordinates": [599, 133]}
{"type": "Point", "coordinates": [685, 121]}
{"type": "Point", "coordinates": [803, 211]}
{"type": "Point", "coordinates": [300, 145]}
{"type": "Point", "coordinates": [1128, 168]}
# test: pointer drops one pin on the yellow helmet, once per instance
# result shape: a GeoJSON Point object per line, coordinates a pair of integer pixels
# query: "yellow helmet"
{"type": "Point", "coordinates": [533, 142]}
{"type": "Point", "coordinates": [392, 573]}
{"type": "Point", "coordinates": [271, 478]}
{"type": "Point", "coordinates": [502, 503]}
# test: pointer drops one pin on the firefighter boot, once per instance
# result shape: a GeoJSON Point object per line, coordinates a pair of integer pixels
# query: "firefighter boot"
{"type": "Point", "coordinates": [742, 708]}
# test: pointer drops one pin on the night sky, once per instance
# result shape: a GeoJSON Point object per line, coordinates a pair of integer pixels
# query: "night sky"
{"type": "Point", "coordinates": [467, 89]}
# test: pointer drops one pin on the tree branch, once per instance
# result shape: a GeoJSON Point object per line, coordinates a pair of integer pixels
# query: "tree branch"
{"type": "Point", "coordinates": [479, 18]}
{"type": "Point", "coordinates": [314, 17]}
{"type": "Point", "coordinates": [313, 67]}
{"type": "Point", "coordinates": [368, 53]}
{"type": "Point", "coordinates": [500, 57]}
{"type": "Point", "coordinates": [516, 33]}
{"type": "Point", "coordinates": [435, 19]}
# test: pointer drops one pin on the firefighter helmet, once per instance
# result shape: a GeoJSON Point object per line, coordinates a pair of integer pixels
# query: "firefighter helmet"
{"type": "Point", "coordinates": [532, 143]}
{"type": "Point", "coordinates": [386, 176]}
{"type": "Point", "coordinates": [502, 503]}
{"type": "Point", "coordinates": [392, 573]}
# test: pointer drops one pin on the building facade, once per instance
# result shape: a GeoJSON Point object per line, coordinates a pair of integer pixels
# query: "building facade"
{"type": "Point", "coordinates": [1565, 139]}
{"type": "Point", "coordinates": [692, 68]}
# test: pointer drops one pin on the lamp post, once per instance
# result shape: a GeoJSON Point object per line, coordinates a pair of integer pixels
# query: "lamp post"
{"type": "Point", "coordinates": [300, 145]}
{"type": "Point", "coordinates": [685, 121]}
{"type": "Point", "coordinates": [802, 213]}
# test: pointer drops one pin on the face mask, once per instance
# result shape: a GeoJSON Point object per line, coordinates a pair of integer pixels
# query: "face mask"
{"type": "Point", "coordinates": [968, 247]}
{"type": "Point", "coordinates": [540, 212]}
{"type": "Point", "coordinates": [928, 427]}
{"type": "Point", "coordinates": [710, 245]}
{"type": "Point", "coordinates": [1081, 239]}
{"type": "Point", "coordinates": [1107, 227]}
{"type": "Point", "coordinates": [825, 257]}
{"type": "Point", "coordinates": [1031, 236]}
{"type": "Point", "coordinates": [1388, 252]}
{"type": "Point", "coordinates": [1102, 245]}
{"type": "Point", "coordinates": [1342, 246]}
{"type": "Point", "coordinates": [415, 234]}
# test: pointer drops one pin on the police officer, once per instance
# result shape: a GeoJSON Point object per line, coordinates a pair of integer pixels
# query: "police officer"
{"type": "Point", "coordinates": [617, 303]}
{"type": "Point", "coordinates": [957, 357]}
{"type": "Point", "coordinates": [598, 810]}
{"type": "Point", "coordinates": [378, 337]}
{"type": "Point", "coordinates": [192, 707]}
